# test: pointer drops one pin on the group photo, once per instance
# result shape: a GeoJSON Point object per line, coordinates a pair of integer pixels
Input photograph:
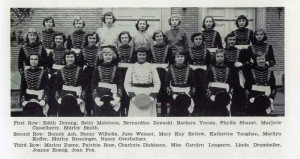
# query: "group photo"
{"type": "Point", "coordinates": [147, 62]}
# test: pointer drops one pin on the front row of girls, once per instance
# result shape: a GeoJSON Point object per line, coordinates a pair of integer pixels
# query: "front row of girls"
{"type": "Point", "coordinates": [198, 57]}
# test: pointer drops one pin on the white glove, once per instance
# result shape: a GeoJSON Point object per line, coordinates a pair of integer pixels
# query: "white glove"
{"type": "Point", "coordinates": [79, 101]}
{"type": "Point", "coordinates": [24, 103]}
{"type": "Point", "coordinates": [98, 102]}
{"type": "Point", "coordinates": [42, 103]}
{"type": "Point", "coordinates": [238, 64]}
{"type": "Point", "coordinates": [151, 99]}
{"type": "Point", "coordinates": [59, 100]}
{"type": "Point", "coordinates": [251, 100]}
{"type": "Point", "coordinates": [212, 97]}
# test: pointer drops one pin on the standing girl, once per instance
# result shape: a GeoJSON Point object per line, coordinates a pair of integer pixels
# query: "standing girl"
{"type": "Point", "coordinates": [259, 46]}
{"type": "Point", "coordinates": [48, 34]}
{"type": "Point", "coordinates": [212, 37]}
{"type": "Point", "coordinates": [176, 36]}
{"type": "Point", "coordinates": [142, 38]}
{"type": "Point", "coordinates": [243, 35]}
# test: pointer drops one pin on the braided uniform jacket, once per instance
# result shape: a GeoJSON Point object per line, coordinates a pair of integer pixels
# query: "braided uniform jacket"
{"type": "Point", "coordinates": [210, 38]}
{"type": "Point", "coordinates": [90, 54]}
{"type": "Point", "coordinates": [125, 53]}
{"type": "Point", "coordinates": [243, 36]}
{"type": "Point", "coordinates": [258, 48]}
{"type": "Point", "coordinates": [47, 38]}
{"type": "Point", "coordinates": [261, 76]}
{"type": "Point", "coordinates": [220, 73]}
{"type": "Point", "coordinates": [107, 74]}
{"type": "Point", "coordinates": [70, 75]}
{"type": "Point", "coordinates": [160, 53]}
{"type": "Point", "coordinates": [33, 78]}
{"type": "Point", "coordinates": [76, 40]}
{"type": "Point", "coordinates": [58, 55]}
{"type": "Point", "coordinates": [198, 55]}
{"type": "Point", "coordinates": [232, 55]}
{"type": "Point", "coordinates": [31, 49]}
{"type": "Point", "coordinates": [180, 76]}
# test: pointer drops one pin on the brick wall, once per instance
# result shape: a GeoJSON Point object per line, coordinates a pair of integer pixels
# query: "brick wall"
{"type": "Point", "coordinates": [63, 18]}
{"type": "Point", "coordinates": [275, 33]}
{"type": "Point", "coordinates": [189, 19]}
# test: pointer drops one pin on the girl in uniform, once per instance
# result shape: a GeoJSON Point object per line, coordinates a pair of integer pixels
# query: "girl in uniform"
{"type": "Point", "coordinates": [199, 60]}
{"type": "Point", "coordinates": [75, 41]}
{"type": "Point", "coordinates": [48, 34]}
{"type": "Point", "coordinates": [176, 36]}
{"type": "Point", "coordinates": [142, 85]}
{"type": "Point", "coordinates": [260, 86]}
{"type": "Point", "coordinates": [56, 62]}
{"type": "Point", "coordinates": [162, 57]}
{"type": "Point", "coordinates": [31, 46]}
{"type": "Point", "coordinates": [107, 84]}
{"type": "Point", "coordinates": [125, 51]}
{"type": "Point", "coordinates": [70, 87]}
{"type": "Point", "coordinates": [219, 78]}
{"type": "Point", "coordinates": [243, 35]}
{"type": "Point", "coordinates": [34, 89]}
{"type": "Point", "coordinates": [180, 85]}
{"type": "Point", "coordinates": [89, 62]}
{"type": "Point", "coordinates": [211, 36]}
{"type": "Point", "coordinates": [237, 61]}
{"type": "Point", "coordinates": [260, 45]}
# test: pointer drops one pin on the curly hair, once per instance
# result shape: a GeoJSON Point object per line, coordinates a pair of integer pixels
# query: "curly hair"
{"type": "Point", "coordinates": [47, 19]}
{"type": "Point", "coordinates": [123, 33]}
{"type": "Point", "coordinates": [108, 14]}
{"type": "Point", "coordinates": [137, 24]}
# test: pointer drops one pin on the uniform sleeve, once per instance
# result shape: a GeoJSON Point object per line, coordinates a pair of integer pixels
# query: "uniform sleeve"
{"type": "Point", "coordinates": [95, 79]}
{"type": "Point", "coordinates": [208, 77]}
{"type": "Point", "coordinates": [69, 42]}
{"type": "Point", "coordinates": [233, 79]}
{"type": "Point", "coordinates": [118, 79]}
{"type": "Point", "coordinates": [208, 58]}
{"type": "Point", "coordinates": [248, 80]}
{"type": "Point", "coordinates": [191, 78]}
{"type": "Point", "coordinates": [23, 86]}
{"type": "Point", "coordinates": [21, 58]}
{"type": "Point", "coordinates": [272, 84]}
{"type": "Point", "coordinates": [168, 78]}
{"type": "Point", "coordinates": [44, 58]}
{"type": "Point", "coordinates": [79, 59]}
{"type": "Point", "coordinates": [50, 60]}
{"type": "Point", "coordinates": [45, 83]}
{"type": "Point", "coordinates": [272, 60]}
{"type": "Point", "coordinates": [59, 83]}
{"type": "Point", "coordinates": [156, 80]}
{"type": "Point", "coordinates": [251, 37]}
{"type": "Point", "coordinates": [244, 58]}
{"type": "Point", "coordinates": [219, 41]}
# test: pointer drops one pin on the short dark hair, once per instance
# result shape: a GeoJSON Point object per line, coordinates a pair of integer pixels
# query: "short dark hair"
{"type": "Point", "coordinates": [212, 18]}
{"type": "Point", "coordinates": [47, 19]}
{"type": "Point", "coordinates": [86, 41]}
{"type": "Point", "coordinates": [69, 52]}
{"type": "Point", "coordinates": [241, 17]}
{"type": "Point", "coordinates": [39, 58]}
{"type": "Point", "coordinates": [197, 34]}
{"type": "Point", "coordinates": [123, 33]}
{"type": "Point", "coordinates": [228, 36]}
{"type": "Point", "coordinates": [157, 32]}
{"type": "Point", "coordinates": [182, 52]}
{"type": "Point", "coordinates": [179, 19]}
{"type": "Point", "coordinates": [142, 49]}
{"type": "Point", "coordinates": [258, 30]}
{"type": "Point", "coordinates": [58, 34]}
{"type": "Point", "coordinates": [137, 24]}
{"type": "Point", "coordinates": [108, 14]}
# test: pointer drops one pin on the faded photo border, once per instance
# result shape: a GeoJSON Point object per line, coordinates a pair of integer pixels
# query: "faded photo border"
{"type": "Point", "coordinates": [291, 119]}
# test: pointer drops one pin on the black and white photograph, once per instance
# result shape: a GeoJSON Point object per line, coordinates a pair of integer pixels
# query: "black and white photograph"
{"type": "Point", "coordinates": [147, 62]}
